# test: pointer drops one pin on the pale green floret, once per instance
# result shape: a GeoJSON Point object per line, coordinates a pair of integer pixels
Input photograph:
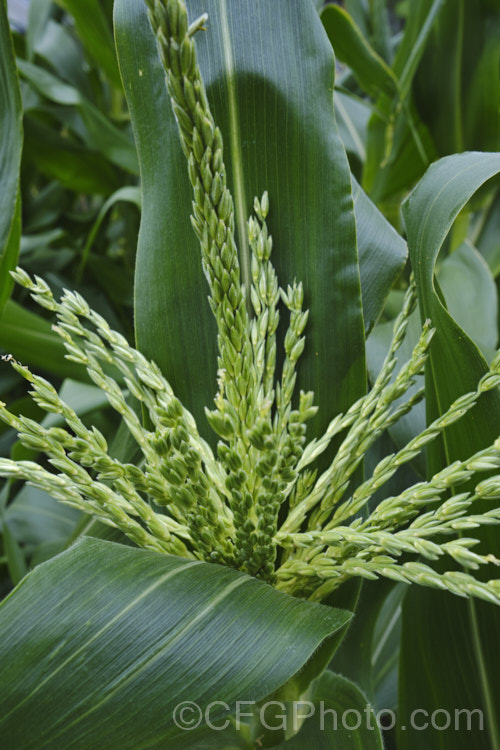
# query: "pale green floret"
{"type": "Point", "coordinates": [226, 506]}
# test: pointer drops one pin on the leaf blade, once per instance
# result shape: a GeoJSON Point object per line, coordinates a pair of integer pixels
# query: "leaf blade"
{"type": "Point", "coordinates": [313, 229]}
{"type": "Point", "coordinates": [335, 696]}
{"type": "Point", "coordinates": [456, 628]}
{"type": "Point", "coordinates": [159, 656]}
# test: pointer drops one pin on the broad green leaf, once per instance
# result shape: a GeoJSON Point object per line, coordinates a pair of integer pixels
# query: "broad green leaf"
{"type": "Point", "coordinates": [271, 93]}
{"type": "Point", "coordinates": [106, 631]}
{"type": "Point", "coordinates": [30, 339]}
{"type": "Point", "coordinates": [352, 47]}
{"type": "Point", "coordinates": [95, 34]}
{"type": "Point", "coordinates": [340, 718]}
{"type": "Point", "coordinates": [101, 134]}
{"type": "Point", "coordinates": [11, 143]}
{"type": "Point", "coordinates": [461, 636]}
{"type": "Point", "coordinates": [225, 737]}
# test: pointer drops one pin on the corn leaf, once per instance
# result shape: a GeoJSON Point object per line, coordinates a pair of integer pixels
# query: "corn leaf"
{"type": "Point", "coordinates": [270, 87]}
{"type": "Point", "coordinates": [101, 644]}
{"type": "Point", "coordinates": [457, 637]}
{"type": "Point", "coordinates": [339, 718]}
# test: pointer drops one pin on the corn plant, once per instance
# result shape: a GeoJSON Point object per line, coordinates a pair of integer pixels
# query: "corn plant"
{"type": "Point", "coordinates": [247, 532]}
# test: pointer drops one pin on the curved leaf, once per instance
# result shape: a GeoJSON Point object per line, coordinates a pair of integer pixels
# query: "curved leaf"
{"type": "Point", "coordinates": [102, 643]}
{"type": "Point", "coordinates": [11, 143]}
{"type": "Point", "coordinates": [460, 635]}
{"type": "Point", "coordinates": [270, 88]}
{"type": "Point", "coordinates": [341, 718]}
{"type": "Point", "coordinates": [429, 213]}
